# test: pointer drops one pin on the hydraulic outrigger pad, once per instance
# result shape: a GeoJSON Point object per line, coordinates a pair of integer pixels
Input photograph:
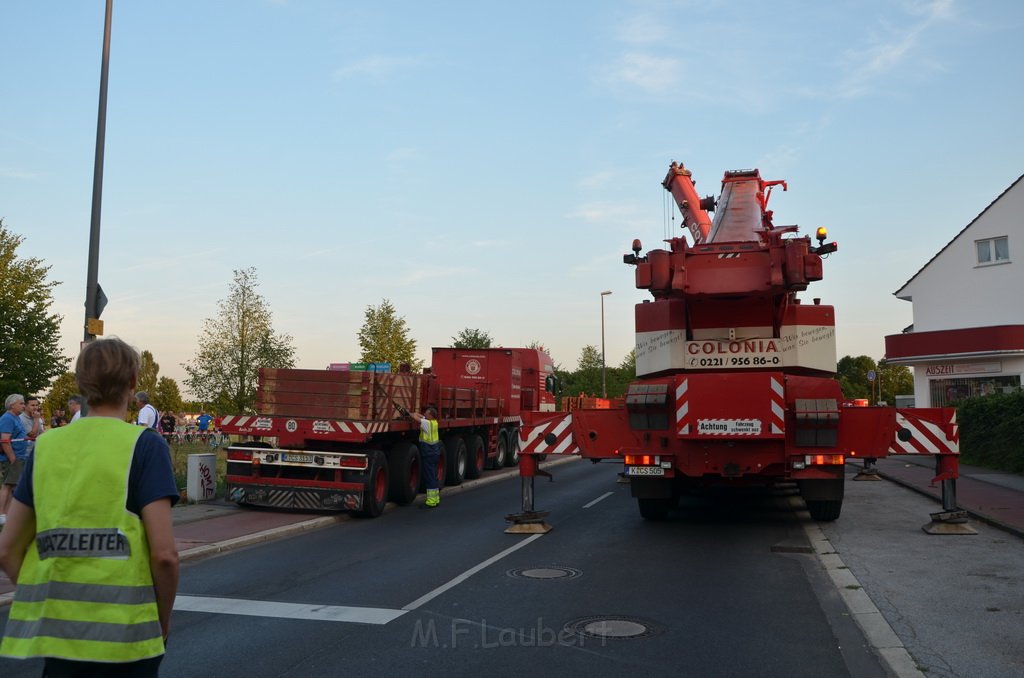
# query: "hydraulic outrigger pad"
{"type": "Point", "coordinates": [528, 521]}
{"type": "Point", "coordinates": [950, 520]}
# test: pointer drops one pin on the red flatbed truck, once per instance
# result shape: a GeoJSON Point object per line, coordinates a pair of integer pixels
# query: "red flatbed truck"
{"type": "Point", "coordinates": [335, 440]}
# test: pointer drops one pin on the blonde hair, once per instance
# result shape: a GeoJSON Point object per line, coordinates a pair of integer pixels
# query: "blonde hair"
{"type": "Point", "coordinates": [105, 371]}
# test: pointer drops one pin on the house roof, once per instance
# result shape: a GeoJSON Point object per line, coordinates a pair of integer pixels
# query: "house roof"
{"type": "Point", "coordinates": [962, 231]}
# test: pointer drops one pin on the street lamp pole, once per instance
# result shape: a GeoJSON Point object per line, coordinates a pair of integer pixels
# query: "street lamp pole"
{"type": "Point", "coordinates": [94, 298]}
{"type": "Point", "coordinates": [604, 380]}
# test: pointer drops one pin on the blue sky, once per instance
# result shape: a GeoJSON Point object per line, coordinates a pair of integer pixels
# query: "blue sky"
{"type": "Point", "coordinates": [485, 164]}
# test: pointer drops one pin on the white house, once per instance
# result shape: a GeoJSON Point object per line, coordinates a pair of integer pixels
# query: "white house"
{"type": "Point", "coordinates": [968, 333]}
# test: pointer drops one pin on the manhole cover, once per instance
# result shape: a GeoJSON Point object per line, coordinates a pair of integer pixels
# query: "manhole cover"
{"type": "Point", "coordinates": [612, 627]}
{"type": "Point", "coordinates": [551, 572]}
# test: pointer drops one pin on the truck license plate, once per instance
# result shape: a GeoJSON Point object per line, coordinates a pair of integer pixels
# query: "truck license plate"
{"type": "Point", "coordinates": [646, 471]}
{"type": "Point", "coordinates": [298, 458]}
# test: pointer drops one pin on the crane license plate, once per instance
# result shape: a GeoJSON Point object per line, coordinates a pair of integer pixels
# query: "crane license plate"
{"type": "Point", "coordinates": [297, 458]}
{"type": "Point", "coordinates": [645, 471]}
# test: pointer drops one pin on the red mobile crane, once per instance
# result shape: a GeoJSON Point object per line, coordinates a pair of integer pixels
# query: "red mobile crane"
{"type": "Point", "coordinates": [735, 375]}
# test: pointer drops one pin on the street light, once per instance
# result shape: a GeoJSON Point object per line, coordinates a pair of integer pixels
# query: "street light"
{"type": "Point", "coordinates": [604, 381]}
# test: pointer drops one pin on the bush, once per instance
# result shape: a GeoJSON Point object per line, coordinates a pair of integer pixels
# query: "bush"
{"type": "Point", "coordinates": [992, 431]}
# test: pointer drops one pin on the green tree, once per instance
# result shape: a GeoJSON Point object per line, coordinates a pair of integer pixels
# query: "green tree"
{"type": "Point", "coordinates": [620, 377]}
{"type": "Point", "coordinates": [165, 396]}
{"type": "Point", "coordinates": [586, 379]}
{"type": "Point", "coordinates": [384, 338]}
{"type": "Point", "coordinates": [148, 371]}
{"type": "Point", "coordinates": [234, 345]}
{"type": "Point", "coordinates": [894, 380]}
{"type": "Point", "coordinates": [471, 338]}
{"type": "Point", "coordinates": [853, 376]}
{"type": "Point", "coordinates": [30, 355]}
{"type": "Point", "coordinates": [62, 388]}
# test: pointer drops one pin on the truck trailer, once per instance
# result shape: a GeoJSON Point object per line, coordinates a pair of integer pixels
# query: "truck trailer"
{"type": "Point", "coordinates": [736, 374]}
{"type": "Point", "coordinates": [335, 440]}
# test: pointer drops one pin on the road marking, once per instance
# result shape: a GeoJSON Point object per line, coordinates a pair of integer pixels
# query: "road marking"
{"type": "Point", "coordinates": [603, 496]}
{"type": "Point", "coordinates": [468, 573]}
{"type": "Point", "coordinates": [266, 608]}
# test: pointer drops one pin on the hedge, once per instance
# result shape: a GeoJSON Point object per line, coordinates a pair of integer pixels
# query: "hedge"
{"type": "Point", "coordinates": [992, 431]}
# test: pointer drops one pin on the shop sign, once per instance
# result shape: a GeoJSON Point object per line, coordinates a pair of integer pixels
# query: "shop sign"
{"type": "Point", "coordinates": [952, 369]}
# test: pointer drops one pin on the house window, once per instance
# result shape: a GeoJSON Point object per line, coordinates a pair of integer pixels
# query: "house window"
{"type": "Point", "coordinates": [993, 250]}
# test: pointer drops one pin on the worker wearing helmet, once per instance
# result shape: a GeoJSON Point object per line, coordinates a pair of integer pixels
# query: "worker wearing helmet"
{"type": "Point", "coordinates": [430, 452]}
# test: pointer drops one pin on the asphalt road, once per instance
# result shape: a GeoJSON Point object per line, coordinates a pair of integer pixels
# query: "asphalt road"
{"type": "Point", "coordinates": [718, 590]}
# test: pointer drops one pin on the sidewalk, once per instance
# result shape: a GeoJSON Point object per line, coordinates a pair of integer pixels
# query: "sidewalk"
{"type": "Point", "coordinates": [994, 497]}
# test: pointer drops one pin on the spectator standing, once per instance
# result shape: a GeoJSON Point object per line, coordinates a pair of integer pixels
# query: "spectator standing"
{"type": "Point", "coordinates": [168, 423]}
{"type": "Point", "coordinates": [13, 443]}
{"type": "Point", "coordinates": [203, 422]}
{"type": "Point", "coordinates": [105, 487]}
{"type": "Point", "coordinates": [58, 420]}
{"type": "Point", "coordinates": [32, 422]}
{"type": "Point", "coordinates": [75, 407]}
{"type": "Point", "coordinates": [148, 415]}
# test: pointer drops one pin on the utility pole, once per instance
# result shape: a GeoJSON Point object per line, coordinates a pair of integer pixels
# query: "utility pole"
{"type": "Point", "coordinates": [95, 300]}
{"type": "Point", "coordinates": [604, 380]}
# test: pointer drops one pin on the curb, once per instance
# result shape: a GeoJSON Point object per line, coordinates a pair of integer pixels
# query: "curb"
{"type": "Point", "coordinates": [877, 631]}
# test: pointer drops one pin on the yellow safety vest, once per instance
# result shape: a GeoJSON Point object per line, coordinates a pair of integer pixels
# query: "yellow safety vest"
{"type": "Point", "coordinates": [431, 437]}
{"type": "Point", "coordinates": [85, 590]}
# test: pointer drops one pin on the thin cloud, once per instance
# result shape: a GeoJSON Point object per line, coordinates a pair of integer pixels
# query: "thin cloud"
{"type": "Point", "coordinates": [10, 173]}
{"type": "Point", "coordinates": [377, 66]}
{"type": "Point", "coordinates": [596, 180]}
{"type": "Point", "coordinates": [610, 214]}
{"type": "Point", "coordinates": [403, 156]}
{"type": "Point", "coordinates": [654, 74]}
{"type": "Point", "coordinates": [420, 274]}
{"type": "Point", "coordinates": [642, 30]}
{"type": "Point", "coordinates": [889, 53]}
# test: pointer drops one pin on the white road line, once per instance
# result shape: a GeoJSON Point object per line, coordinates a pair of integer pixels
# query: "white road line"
{"type": "Point", "coordinates": [266, 608]}
{"type": "Point", "coordinates": [603, 496]}
{"type": "Point", "coordinates": [468, 573]}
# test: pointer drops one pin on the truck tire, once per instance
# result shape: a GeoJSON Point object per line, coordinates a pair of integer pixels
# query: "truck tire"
{"type": "Point", "coordinates": [404, 467]}
{"type": "Point", "coordinates": [500, 451]}
{"type": "Point", "coordinates": [512, 457]}
{"type": "Point", "coordinates": [455, 468]}
{"type": "Point", "coordinates": [375, 492]}
{"type": "Point", "coordinates": [824, 510]}
{"type": "Point", "coordinates": [476, 456]}
{"type": "Point", "coordinates": [654, 508]}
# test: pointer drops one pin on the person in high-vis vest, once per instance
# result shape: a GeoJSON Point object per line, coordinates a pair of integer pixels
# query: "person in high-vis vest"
{"type": "Point", "coordinates": [430, 453]}
{"type": "Point", "coordinates": [89, 541]}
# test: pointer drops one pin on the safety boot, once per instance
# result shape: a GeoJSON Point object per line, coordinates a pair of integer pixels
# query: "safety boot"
{"type": "Point", "coordinates": [433, 498]}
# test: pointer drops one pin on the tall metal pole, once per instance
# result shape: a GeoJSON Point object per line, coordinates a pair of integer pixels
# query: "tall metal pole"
{"type": "Point", "coordinates": [92, 284]}
{"type": "Point", "coordinates": [604, 381]}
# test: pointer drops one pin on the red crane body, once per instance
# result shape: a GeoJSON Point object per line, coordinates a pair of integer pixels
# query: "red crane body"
{"type": "Point", "coordinates": [735, 375]}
